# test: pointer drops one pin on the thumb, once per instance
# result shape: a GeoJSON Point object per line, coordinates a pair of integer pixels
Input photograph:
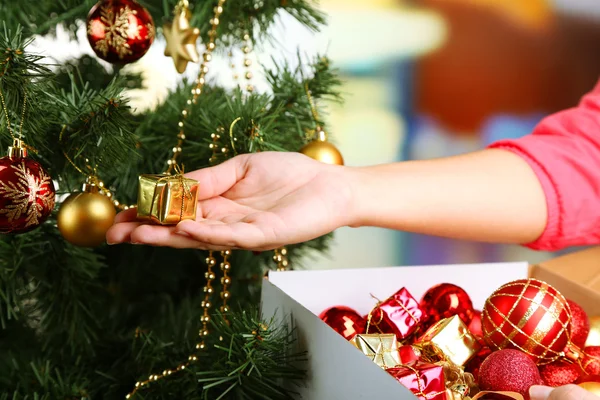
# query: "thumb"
{"type": "Point", "coordinates": [568, 392]}
{"type": "Point", "coordinates": [214, 181]}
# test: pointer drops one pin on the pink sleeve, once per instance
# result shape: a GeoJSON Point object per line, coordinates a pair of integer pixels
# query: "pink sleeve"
{"type": "Point", "coordinates": [564, 152]}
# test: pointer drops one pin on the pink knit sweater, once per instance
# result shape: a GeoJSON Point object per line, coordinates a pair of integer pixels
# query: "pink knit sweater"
{"type": "Point", "coordinates": [564, 152]}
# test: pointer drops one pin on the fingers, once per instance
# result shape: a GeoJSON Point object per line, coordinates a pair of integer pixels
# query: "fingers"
{"type": "Point", "coordinates": [126, 216]}
{"type": "Point", "coordinates": [568, 392]}
{"type": "Point", "coordinates": [216, 180]}
{"type": "Point", "coordinates": [154, 235]}
{"type": "Point", "coordinates": [121, 232]}
{"type": "Point", "coordinates": [239, 234]}
{"type": "Point", "coordinates": [165, 236]}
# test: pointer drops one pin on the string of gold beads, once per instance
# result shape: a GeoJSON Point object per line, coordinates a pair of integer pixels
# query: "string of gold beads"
{"type": "Point", "coordinates": [280, 257]}
{"type": "Point", "coordinates": [247, 49]}
{"type": "Point", "coordinates": [197, 89]}
{"type": "Point", "coordinates": [225, 281]}
{"type": "Point", "coordinates": [176, 152]}
{"type": "Point", "coordinates": [206, 304]}
{"type": "Point", "coordinates": [215, 146]}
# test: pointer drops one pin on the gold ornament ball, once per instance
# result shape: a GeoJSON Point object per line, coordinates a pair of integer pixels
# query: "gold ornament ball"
{"type": "Point", "coordinates": [323, 151]}
{"type": "Point", "coordinates": [84, 218]}
{"type": "Point", "coordinates": [593, 387]}
{"type": "Point", "coordinates": [594, 335]}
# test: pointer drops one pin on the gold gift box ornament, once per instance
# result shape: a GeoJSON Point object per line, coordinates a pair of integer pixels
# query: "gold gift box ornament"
{"type": "Point", "coordinates": [382, 349]}
{"type": "Point", "coordinates": [167, 199]}
{"type": "Point", "coordinates": [451, 340]}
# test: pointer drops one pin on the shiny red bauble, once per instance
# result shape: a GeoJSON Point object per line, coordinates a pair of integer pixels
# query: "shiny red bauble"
{"type": "Point", "coordinates": [580, 324]}
{"type": "Point", "coordinates": [344, 321]}
{"type": "Point", "coordinates": [531, 316]}
{"type": "Point", "coordinates": [120, 31]}
{"type": "Point", "coordinates": [444, 301]}
{"type": "Point", "coordinates": [509, 370]}
{"type": "Point", "coordinates": [560, 373]}
{"type": "Point", "coordinates": [591, 360]}
{"type": "Point", "coordinates": [475, 324]}
{"type": "Point", "coordinates": [26, 194]}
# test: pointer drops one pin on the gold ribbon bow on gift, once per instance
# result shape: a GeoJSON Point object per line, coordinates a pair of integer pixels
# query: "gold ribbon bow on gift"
{"type": "Point", "coordinates": [179, 171]}
{"type": "Point", "coordinates": [371, 321]}
{"type": "Point", "coordinates": [167, 199]}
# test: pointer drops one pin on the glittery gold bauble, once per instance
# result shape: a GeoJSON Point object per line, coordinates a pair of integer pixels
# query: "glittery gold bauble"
{"type": "Point", "coordinates": [593, 338]}
{"type": "Point", "coordinates": [321, 150]}
{"type": "Point", "coordinates": [84, 217]}
{"type": "Point", "coordinates": [593, 387]}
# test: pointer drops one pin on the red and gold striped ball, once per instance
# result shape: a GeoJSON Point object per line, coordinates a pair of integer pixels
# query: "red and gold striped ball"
{"type": "Point", "coordinates": [528, 315]}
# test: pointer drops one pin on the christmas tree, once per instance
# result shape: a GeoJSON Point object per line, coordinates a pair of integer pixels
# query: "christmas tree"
{"type": "Point", "coordinates": [84, 320]}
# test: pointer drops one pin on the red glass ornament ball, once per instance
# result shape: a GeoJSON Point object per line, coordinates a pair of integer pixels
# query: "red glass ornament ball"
{"type": "Point", "coordinates": [26, 194]}
{"type": "Point", "coordinates": [591, 360]}
{"type": "Point", "coordinates": [120, 31]}
{"type": "Point", "coordinates": [509, 370]}
{"type": "Point", "coordinates": [559, 373]}
{"type": "Point", "coordinates": [475, 324]}
{"type": "Point", "coordinates": [344, 321]}
{"type": "Point", "coordinates": [527, 315]}
{"type": "Point", "coordinates": [446, 300]}
{"type": "Point", "coordinates": [580, 324]}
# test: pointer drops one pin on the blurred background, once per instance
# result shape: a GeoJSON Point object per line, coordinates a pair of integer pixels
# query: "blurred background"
{"type": "Point", "coordinates": [443, 77]}
{"type": "Point", "coordinates": [422, 79]}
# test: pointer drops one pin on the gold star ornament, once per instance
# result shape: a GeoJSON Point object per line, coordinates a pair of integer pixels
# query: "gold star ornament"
{"type": "Point", "coordinates": [181, 40]}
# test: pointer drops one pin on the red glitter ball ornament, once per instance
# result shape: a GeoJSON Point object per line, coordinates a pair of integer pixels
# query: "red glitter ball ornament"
{"type": "Point", "coordinates": [344, 321]}
{"type": "Point", "coordinates": [591, 360]}
{"type": "Point", "coordinates": [26, 192]}
{"type": "Point", "coordinates": [120, 31]}
{"type": "Point", "coordinates": [444, 301]}
{"type": "Point", "coordinates": [580, 324]}
{"type": "Point", "coordinates": [559, 373]}
{"type": "Point", "coordinates": [531, 316]}
{"type": "Point", "coordinates": [509, 370]}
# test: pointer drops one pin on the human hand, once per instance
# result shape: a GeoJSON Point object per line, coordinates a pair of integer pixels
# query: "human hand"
{"type": "Point", "coordinates": [568, 392]}
{"type": "Point", "coordinates": [253, 201]}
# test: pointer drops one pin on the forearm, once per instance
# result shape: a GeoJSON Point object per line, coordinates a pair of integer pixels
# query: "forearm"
{"type": "Point", "coordinates": [491, 195]}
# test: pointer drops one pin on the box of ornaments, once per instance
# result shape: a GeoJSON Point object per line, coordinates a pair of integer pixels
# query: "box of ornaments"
{"type": "Point", "coordinates": [447, 332]}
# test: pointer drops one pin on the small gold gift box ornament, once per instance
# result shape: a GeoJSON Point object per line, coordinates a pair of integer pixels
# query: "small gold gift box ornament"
{"type": "Point", "coordinates": [382, 349]}
{"type": "Point", "coordinates": [167, 199]}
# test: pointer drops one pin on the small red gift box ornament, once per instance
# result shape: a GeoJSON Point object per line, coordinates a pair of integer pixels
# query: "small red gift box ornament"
{"type": "Point", "coordinates": [400, 314]}
{"type": "Point", "coordinates": [425, 380]}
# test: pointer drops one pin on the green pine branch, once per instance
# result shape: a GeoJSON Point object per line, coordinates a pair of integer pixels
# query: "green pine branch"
{"type": "Point", "coordinates": [84, 323]}
{"type": "Point", "coordinates": [255, 17]}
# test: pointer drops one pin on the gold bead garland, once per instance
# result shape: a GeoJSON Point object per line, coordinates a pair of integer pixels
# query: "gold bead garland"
{"type": "Point", "coordinates": [247, 49]}
{"type": "Point", "coordinates": [234, 74]}
{"type": "Point", "coordinates": [172, 162]}
{"type": "Point", "coordinates": [197, 89]}
{"type": "Point", "coordinates": [225, 281]}
{"type": "Point", "coordinates": [202, 333]}
{"type": "Point", "coordinates": [214, 146]}
{"type": "Point", "coordinates": [247, 62]}
{"type": "Point", "coordinates": [280, 257]}
{"type": "Point", "coordinates": [206, 303]}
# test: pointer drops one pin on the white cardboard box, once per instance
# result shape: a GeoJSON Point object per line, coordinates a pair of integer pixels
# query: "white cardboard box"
{"type": "Point", "coordinates": [337, 370]}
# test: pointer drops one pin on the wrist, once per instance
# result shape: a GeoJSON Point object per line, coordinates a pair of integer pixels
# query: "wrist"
{"type": "Point", "coordinates": [360, 199]}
